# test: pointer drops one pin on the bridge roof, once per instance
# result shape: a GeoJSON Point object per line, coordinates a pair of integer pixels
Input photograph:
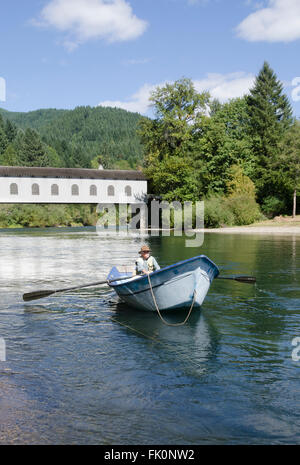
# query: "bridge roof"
{"type": "Point", "coordinates": [71, 173]}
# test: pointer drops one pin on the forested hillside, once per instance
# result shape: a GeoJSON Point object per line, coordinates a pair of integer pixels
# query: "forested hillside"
{"type": "Point", "coordinates": [71, 138]}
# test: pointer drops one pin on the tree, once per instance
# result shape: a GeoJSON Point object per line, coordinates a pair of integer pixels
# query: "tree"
{"type": "Point", "coordinates": [173, 178]}
{"type": "Point", "coordinates": [223, 142]}
{"type": "Point", "coordinates": [79, 158]}
{"type": "Point", "coordinates": [178, 109]}
{"type": "Point", "coordinates": [270, 115]}
{"type": "Point", "coordinates": [3, 138]}
{"type": "Point", "coordinates": [289, 161]}
{"type": "Point", "coordinates": [171, 137]}
{"type": "Point", "coordinates": [10, 131]}
{"type": "Point", "coordinates": [3, 141]}
{"type": "Point", "coordinates": [32, 150]}
{"type": "Point", "coordinates": [240, 184]}
{"type": "Point", "coordinates": [9, 157]}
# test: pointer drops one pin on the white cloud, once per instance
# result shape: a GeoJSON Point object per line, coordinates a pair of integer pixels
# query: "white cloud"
{"type": "Point", "coordinates": [225, 86]}
{"type": "Point", "coordinates": [222, 87]}
{"type": "Point", "coordinates": [278, 22]}
{"type": "Point", "coordinates": [139, 102]}
{"type": "Point", "coordinates": [82, 20]}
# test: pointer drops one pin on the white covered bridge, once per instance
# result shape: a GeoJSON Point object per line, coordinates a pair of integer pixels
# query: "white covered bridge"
{"type": "Point", "coordinates": [20, 184]}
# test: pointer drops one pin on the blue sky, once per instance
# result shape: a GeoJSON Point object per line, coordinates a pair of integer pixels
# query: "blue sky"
{"type": "Point", "coordinates": [65, 53]}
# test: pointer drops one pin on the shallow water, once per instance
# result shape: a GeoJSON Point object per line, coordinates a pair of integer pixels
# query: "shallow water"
{"type": "Point", "coordinates": [83, 369]}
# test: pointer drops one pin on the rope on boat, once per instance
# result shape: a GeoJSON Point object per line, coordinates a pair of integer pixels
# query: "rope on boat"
{"type": "Point", "coordinates": [158, 311]}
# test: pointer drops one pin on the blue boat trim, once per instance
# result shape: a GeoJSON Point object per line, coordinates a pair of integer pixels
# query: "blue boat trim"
{"type": "Point", "coordinates": [143, 290]}
{"type": "Point", "coordinates": [175, 265]}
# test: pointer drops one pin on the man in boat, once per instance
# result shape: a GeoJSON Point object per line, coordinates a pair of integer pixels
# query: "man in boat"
{"type": "Point", "coordinates": [145, 264]}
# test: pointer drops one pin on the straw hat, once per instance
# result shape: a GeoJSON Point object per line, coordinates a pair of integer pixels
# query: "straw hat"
{"type": "Point", "coordinates": [144, 248]}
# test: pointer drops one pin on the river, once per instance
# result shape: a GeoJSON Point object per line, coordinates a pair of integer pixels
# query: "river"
{"type": "Point", "coordinates": [81, 368]}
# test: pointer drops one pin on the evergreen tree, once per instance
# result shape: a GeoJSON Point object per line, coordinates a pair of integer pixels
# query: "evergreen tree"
{"type": "Point", "coordinates": [79, 158]}
{"type": "Point", "coordinates": [3, 141]}
{"type": "Point", "coordinates": [270, 115]}
{"type": "Point", "coordinates": [3, 138]}
{"type": "Point", "coordinates": [9, 157]}
{"type": "Point", "coordinates": [10, 131]}
{"type": "Point", "coordinates": [32, 151]}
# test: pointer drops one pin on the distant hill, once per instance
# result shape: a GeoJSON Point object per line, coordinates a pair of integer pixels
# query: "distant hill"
{"type": "Point", "coordinates": [94, 131]}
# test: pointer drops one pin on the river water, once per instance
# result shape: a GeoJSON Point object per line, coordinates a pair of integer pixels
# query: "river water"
{"type": "Point", "coordinates": [82, 368]}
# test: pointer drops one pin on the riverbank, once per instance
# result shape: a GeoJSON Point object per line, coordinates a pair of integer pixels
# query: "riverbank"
{"type": "Point", "coordinates": [278, 225]}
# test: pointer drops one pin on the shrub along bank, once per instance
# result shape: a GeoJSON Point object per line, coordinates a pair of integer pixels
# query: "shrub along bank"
{"type": "Point", "coordinates": [33, 215]}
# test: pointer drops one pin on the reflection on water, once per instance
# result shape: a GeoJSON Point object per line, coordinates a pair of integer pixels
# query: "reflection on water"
{"type": "Point", "coordinates": [82, 368]}
{"type": "Point", "coordinates": [196, 346]}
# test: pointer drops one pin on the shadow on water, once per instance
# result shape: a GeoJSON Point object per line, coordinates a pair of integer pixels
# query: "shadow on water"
{"type": "Point", "coordinates": [190, 348]}
{"type": "Point", "coordinates": [192, 345]}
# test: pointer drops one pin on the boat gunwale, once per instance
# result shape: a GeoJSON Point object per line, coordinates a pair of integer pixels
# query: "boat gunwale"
{"type": "Point", "coordinates": [136, 278]}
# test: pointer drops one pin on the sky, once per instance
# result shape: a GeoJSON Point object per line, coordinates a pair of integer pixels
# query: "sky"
{"type": "Point", "coordinates": [69, 53]}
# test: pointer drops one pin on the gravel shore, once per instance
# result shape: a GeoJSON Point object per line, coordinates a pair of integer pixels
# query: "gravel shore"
{"type": "Point", "coordinates": [283, 230]}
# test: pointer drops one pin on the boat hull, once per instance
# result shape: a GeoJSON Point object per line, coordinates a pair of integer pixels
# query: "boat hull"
{"type": "Point", "coordinates": [174, 287]}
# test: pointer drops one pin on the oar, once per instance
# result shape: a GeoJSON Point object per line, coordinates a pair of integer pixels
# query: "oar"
{"type": "Point", "coordinates": [41, 294]}
{"type": "Point", "coordinates": [240, 279]}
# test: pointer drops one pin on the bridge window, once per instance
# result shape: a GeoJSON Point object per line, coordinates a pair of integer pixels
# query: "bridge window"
{"type": "Point", "coordinates": [14, 189]}
{"type": "Point", "coordinates": [75, 189]}
{"type": "Point", "coordinates": [35, 189]}
{"type": "Point", "coordinates": [128, 191]}
{"type": "Point", "coordinates": [54, 189]}
{"type": "Point", "coordinates": [110, 190]}
{"type": "Point", "coordinates": [93, 190]}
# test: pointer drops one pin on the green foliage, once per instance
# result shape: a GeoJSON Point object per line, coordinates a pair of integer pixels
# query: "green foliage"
{"type": "Point", "coordinates": [289, 158]}
{"type": "Point", "coordinates": [239, 209]}
{"type": "Point", "coordinates": [240, 184]}
{"type": "Point", "coordinates": [270, 116]}
{"type": "Point", "coordinates": [190, 155]}
{"type": "Point", "coordinates": [169, 140]}
{"type": "Point", "coordinates": [32, 151]}
{"type": "Point", "coordinates": [179, 110]}
{"type": "Point", "coordinates": [9, 157]}
{"type": "Point", "coordinates": [272, 206]}
{"type": "Point", "coordinates": [3, 138]}
{"type": "Point", "coordinates": [244, 209]}
{"type": "Point", "coordinates": [35, 215]}
{"type": "Point", "coordinates": [174, 178]}
{"type": "Point", "coordinates": [216, 213]}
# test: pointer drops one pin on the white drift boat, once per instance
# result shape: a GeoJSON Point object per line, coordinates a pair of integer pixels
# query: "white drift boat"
{"type": "Point", "coordinates": [181, 285]}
